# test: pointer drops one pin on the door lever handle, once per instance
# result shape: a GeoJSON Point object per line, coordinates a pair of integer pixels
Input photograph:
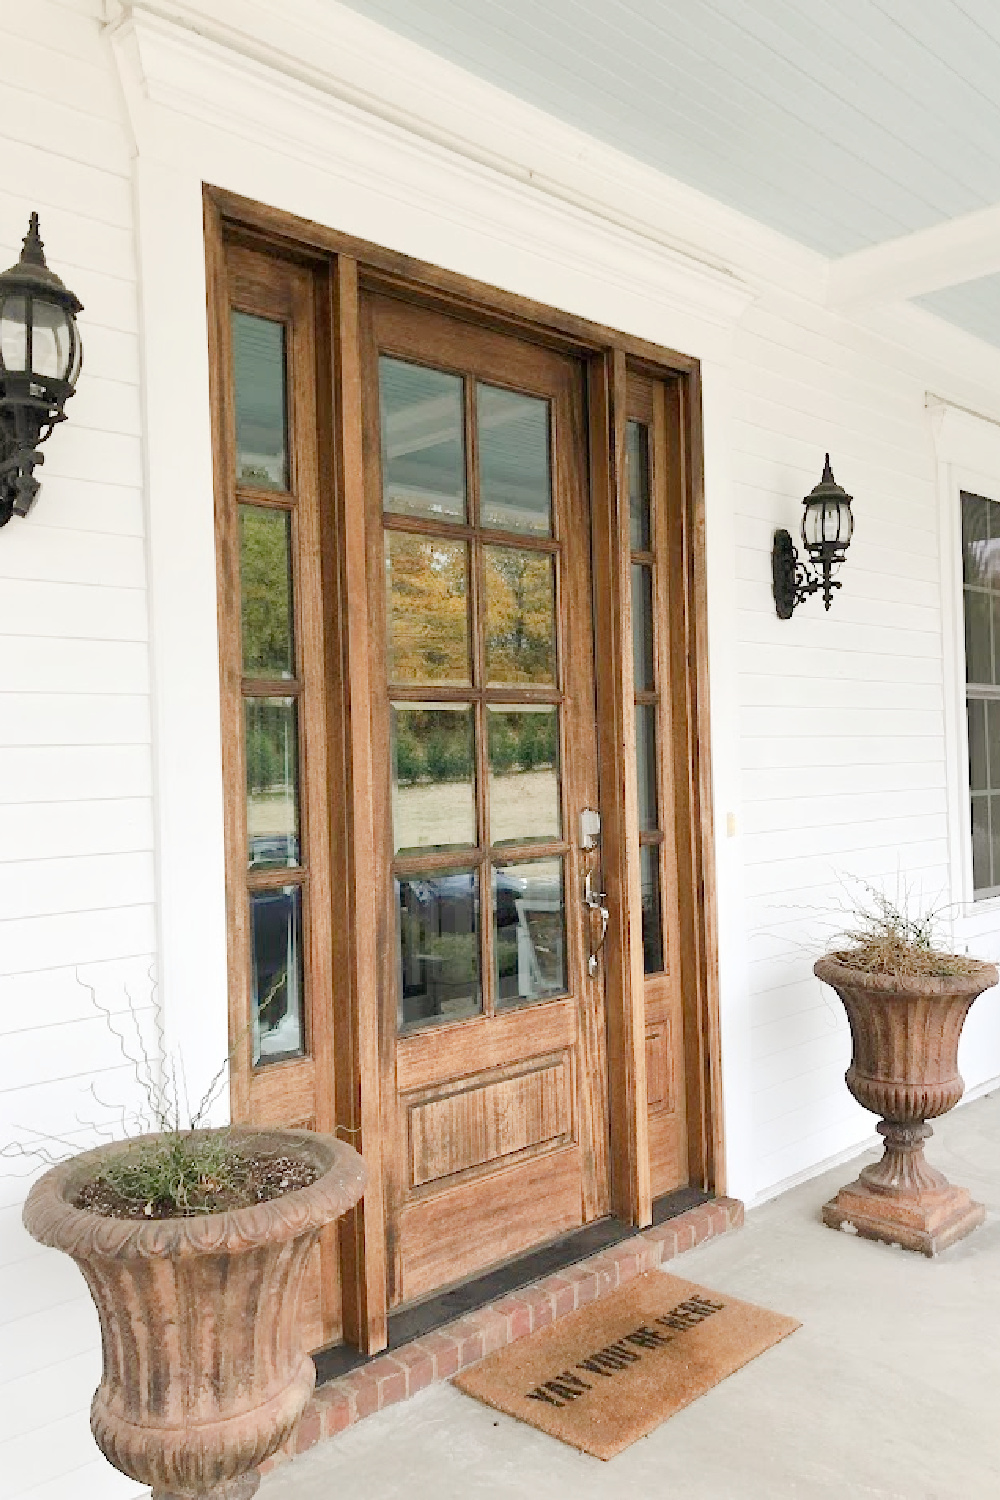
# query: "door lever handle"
{"type": "Point", "coordinates": [594, 901]}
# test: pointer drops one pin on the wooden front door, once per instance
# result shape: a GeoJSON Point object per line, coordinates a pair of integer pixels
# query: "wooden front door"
{"type": "Point", "coordinates": [493, 1042]}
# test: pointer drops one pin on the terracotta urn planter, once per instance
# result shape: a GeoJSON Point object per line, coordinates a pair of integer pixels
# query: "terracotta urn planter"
{"type": "Point", "coordinates": [905, 1068]}
{"type": "Point", "coordinates": [205, 1374]}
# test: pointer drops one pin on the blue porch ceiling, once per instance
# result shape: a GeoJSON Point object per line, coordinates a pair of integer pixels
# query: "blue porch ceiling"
{"type": "Point", "coordinates": [841, 123]}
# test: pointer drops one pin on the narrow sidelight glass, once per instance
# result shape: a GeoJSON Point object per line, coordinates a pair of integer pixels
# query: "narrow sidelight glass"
{"type": "Point", "coordinates": [652, 921]}
{"type": "Point", "coordinates": [529, 931]}
{"type": "Point", "coordinates": [266, 592]}
{"type": "Point", "coordinates": [637, 469]}
{"type": "Point", "coordinates": [524, 775]}
{"type": "Point", "coordinates": [646, 764]}
{"type": "Point", "coordinates": [261, 402]}
{"type": "Point", "coordinates": [276, 981]}
{"type": "Point", "coordinates": [427, 610]}
{"type": "Point", "coordinates": [520, 616]}
{"type": "Point", "coordinates": [515, 485]}
{"type": "Point", "coordinates": [642, 628]}
{"type": "Point", "coordinates": [423, 441]}
{"type": "Point", "coordinates": [439, 965]}
{"type": "Point", "coordinates": [272, 767]}
{"type": "Point", "coordinates": [433, 777]}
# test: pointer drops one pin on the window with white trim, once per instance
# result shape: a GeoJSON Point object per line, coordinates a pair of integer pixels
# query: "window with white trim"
{"type": "Point", "coordinates": [981, 603]}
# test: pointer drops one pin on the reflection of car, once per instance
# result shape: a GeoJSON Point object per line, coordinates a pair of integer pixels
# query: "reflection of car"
{"type": "Point", "coordinates": [277, 973]}
{"type": "Point", "coordinates": [439, 944]}
{"type": "Point", "coordinates": [273, 849]}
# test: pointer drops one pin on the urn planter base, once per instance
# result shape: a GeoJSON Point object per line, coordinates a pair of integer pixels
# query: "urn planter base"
{"type": "Point", "coordinates": [928, 1225]}
{"type": "Point", "coordinates": [902, 1199]}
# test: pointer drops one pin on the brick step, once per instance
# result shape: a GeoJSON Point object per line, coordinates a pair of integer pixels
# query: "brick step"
{"type": "Point", "coordinates": [393, 1377]}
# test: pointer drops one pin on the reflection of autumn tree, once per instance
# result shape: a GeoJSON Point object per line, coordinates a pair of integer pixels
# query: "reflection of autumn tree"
{"type": "Point", "coordinates": [520, 625]}
{"type": "Point", "coordinates": [428, 610]}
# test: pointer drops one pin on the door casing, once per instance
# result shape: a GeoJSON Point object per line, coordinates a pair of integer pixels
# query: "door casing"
{"type": "Point", "coordinates": [343, 267]}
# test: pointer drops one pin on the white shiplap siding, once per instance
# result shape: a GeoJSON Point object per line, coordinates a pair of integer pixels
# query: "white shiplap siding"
{"type": "Point", "coordinates": [76, 862]}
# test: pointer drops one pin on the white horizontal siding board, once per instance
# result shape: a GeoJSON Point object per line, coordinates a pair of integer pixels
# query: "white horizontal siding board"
{"type": "Point", "coordinates": [36, 608]}
{"type": "Point", "coordinates": [813, 628]}
{"type": "Point", "coordinates": [75, 666]}
{"type": "Point", "coordinates": [85, 505]}
{"type": "Point", "coordinates": [770, 661]}
{"type": "Point", "coordinates": [78, 937]}
{"type": "Point", "coordinates": [61, 997]}
{"type": "Point", "coordinates": [918, 857]}
{"type": "Point", "coordinates": [811, 690]}
{"type": "Point", "coordinates": [792, 814]}
{"type": "Point", "coordinates": [59, 129]}
{"type": "Point", "coordinates": [812, 723]}
{"type": "Point", "coordinates": [45, 887]}
{"type": "Point", "coordinates": [51, 718]}
{"type": "Point", "coordinates": [770, 784]}
{"type": "Point", "coordinates": [106, 405]}
{"type": "Point", "coordinates": [35, 551]}
{"type": "Point", "coordinates": [80, 81]}
{"type": "Point", "coordinates": [29, 1287]}
{"type": "Point", "coordinates": [754, 594]}
{"type": "Point", "coordinates": [81, 1049]}
{"type": "Point", "coordinates": [94, 193]}
{"type": "Point", "coordinates": [28, 1404]}
{"type": "Point", "coordinates": [74, 773]}
{"type": "Point", "coordinates": [40, 1341]}
{"type": "Point", "coordinates": [63, 30]}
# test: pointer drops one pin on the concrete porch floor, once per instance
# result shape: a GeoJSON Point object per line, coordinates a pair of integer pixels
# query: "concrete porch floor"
{"type": "Point", "coordinates": [889, 1391]}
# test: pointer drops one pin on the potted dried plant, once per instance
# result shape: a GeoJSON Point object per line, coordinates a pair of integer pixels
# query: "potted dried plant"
{"type": "Point", "coordinates": [194, 1243]}
{"type": "Point", "coordinates": [906, 1001]}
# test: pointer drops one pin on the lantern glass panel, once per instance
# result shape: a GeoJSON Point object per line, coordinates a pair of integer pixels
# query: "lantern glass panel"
{"type": "Point", "coordinates": [51, 344]}
{"type": "Point", "coordinates": [13, 334]}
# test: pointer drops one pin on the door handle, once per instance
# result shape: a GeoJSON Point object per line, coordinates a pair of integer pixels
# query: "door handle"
{"type": "Point", "coordinates": [594, 902]}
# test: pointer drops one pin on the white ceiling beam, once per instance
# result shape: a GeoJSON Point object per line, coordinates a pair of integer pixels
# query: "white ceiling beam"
{"type": "Point", "coordinates": [961, 249]}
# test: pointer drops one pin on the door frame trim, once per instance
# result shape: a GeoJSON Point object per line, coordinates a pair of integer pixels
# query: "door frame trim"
{"type": "Point", "coordinates": [348, 264]}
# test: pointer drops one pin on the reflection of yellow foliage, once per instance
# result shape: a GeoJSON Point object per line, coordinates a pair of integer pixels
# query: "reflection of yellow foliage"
{"type": "Point", "coordinates": [520, 616]}
{"type": "Point", "coordinates": [427, 608]}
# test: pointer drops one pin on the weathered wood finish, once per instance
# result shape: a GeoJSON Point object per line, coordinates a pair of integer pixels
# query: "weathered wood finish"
{"type": "Point", "coordinates": [905, 1068]}
{"type": "Point", "coordinates": [379, 1084]}
{"type": "Point", "coordinates": [451, 1056]}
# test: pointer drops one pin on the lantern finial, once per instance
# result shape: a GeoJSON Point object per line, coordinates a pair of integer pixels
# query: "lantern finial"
{"type": "Point", "coordinates": [32, 249]}
{"type": "Point", "coordinates": [827, 473]}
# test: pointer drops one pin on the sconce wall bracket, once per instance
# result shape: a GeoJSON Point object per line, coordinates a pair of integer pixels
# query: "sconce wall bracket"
{"type": "Point", "coordinates": [793, 581]}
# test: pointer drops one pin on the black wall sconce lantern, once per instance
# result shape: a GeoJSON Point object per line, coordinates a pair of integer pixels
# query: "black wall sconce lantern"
{"type": "Point", "coordinates": [40, 359]}
{"type": "Point", "coordinates": [827, 528]}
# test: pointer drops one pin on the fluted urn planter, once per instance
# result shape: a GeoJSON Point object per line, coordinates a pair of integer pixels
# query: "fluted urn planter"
{"type": "Point", "coordinates": [205, 1373]}
{"type": "Point", "coordinates": [905, 1068]}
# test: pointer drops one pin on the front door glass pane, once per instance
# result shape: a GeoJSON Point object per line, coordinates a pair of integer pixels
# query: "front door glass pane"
{"type": "Point", "coordinates": [272, 766]}
{"type": "Point", "coordinates": [276, 942]}
{"type": "Point", "coordinates": [520, 616]}
{"type": "Point", "coordinates": [427, 610]}
{"type": "Point", "coordinates": [514, 481]}
{"type": "Point", "coordinates": [529, 931]}
{"type": "Point", "coordinates": [524, 775]}
{"type": "Point", "coordinates": [438, 947]}
{"type": "Point", "coordinates": [261, 404]}
{"type": "Point", "coordinates": [423, 441]}
{"type": "Point", "coordinates": [433, 785]}
{"type": "Point", "coordinates": [266, 591]}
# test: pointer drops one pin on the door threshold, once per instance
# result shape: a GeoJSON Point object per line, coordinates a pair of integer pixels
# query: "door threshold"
{"type": "Point", "coordinates": [413, 1322]}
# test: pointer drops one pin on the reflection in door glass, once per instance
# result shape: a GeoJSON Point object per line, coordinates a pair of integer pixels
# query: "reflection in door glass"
{"type": "Point", "coordinates": [433, 785]}
{"type": "Point", "coordinates": [423, 441]}
{"type": "Point", "coordinates": [276, 994]}
{"type": "Point", "coordinates": [652, 924]}
{"type": "Point", "coordinates": [259, 381]}
{"type": "Point", "coordinates": [438, 947]}
{"type": "Point", "coordinates": [524, 774]}
{"type": "Point", "coordinates": [266, 591]}
{"type": "Point", "coordinates": [637, 466]}
{"type": "Point", "coordinates": [514, 484]}
{"type": "Point", "coordinates": [520, 616]}
{"type": "Point", "coordinates": [427, 609]}
{"type": "Point", "coordinates": [529, 931]}
{"type": "Point", "coordinates": [272, 762]}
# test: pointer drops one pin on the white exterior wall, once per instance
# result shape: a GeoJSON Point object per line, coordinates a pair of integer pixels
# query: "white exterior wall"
{"type": "Point", "coordinates": [76, 861]}
{"type": "Point", "coordinates": [838, 744]}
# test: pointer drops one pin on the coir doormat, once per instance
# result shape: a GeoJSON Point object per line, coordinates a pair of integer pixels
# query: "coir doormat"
{"type": "Point", "coordinates": [608, 1374]}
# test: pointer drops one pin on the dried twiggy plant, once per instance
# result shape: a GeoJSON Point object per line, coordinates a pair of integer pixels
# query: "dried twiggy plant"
{"type": "Point", "coordinates": [889, 937]}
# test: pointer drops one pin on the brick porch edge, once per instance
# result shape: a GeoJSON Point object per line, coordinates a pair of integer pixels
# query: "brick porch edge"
{"type": "Point", "coordinates": [441, 1354]}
